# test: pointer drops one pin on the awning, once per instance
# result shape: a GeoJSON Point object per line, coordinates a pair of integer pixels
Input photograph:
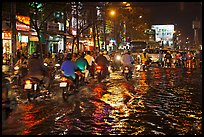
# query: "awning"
{"type": "Point", "coordinates": [33, 38]}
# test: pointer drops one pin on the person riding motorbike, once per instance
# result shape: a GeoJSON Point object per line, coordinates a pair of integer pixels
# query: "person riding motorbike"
{"type": "Point", "coordinates": [168, 57]}
{"type": "Point", "coordinates": [82, 64]}
{"type": "Point", "coordinates": [90, 59]}
{"type": "Point", "coordinates": [49, 60]}
{"type": "Point", "coordinates": [102, 61]}
{"type": "Point", "coordinates": [69, 68]}
{"type": "Point", "coordinates": [22, 64]}
{"type": "Point", "coordinates": [37, 69]}
{"type": "Point", "coordinates": [127, 60]}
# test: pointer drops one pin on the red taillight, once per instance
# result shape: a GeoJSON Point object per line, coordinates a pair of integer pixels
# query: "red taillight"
{"type": "Point", "coordinates": [63, 79]}
{"type": "Point", "coordinates": [98, 67]}
{"type": "Point", "coordinates": [28, 82]}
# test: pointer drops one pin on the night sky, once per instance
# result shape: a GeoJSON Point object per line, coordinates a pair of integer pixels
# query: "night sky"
{"type": "Point", "coordinates": [180, 13]}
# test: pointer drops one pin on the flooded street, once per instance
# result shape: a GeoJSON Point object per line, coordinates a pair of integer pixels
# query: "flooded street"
{"type": "Point", "coordinates": [156, 102]}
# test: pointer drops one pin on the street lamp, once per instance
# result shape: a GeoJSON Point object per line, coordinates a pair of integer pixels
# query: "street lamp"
{"type": "Point", "coordinates": [113, 13]}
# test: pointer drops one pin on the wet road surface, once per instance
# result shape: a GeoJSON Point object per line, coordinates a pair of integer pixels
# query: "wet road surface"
{"type": "Point", "coordinates": [156, 102]}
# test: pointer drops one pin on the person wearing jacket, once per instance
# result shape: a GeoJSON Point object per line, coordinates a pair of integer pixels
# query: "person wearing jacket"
{"type": "Point", "coordinates": [37, 69]}
{"type": "Point", "coordinates": [102, 61]}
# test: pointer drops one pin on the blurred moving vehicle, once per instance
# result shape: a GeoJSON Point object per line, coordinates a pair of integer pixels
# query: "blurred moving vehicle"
{"type": "Point", "coordinates": [153, 54]}
{"type": "Point", "coordinates": [9, 100]}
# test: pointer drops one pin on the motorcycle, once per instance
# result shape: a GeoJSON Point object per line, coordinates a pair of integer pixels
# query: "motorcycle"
{"type": "Point", "coordinates": [146, 64]}
{"type": "Point", "coordinates": [67, 86]}
{"type": "Point", "coordinates": [116, 63]}
{"type": "Point", "coordinates": [168, 63]}
{"type": "Point", "coordinates": [127, 73]}
{"type": "Point", "coordinates": [35, 88]}
{"type": "Point", "coordinates": [99, 73]}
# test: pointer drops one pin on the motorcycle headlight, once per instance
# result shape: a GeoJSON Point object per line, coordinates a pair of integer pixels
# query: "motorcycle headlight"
{"type": "Point", "coordinates": [16, 68]}
{"type": "Point", "coordinates": [57, 76]}
{"type": "Point", "coordinates": [118, 57]}
{"type": "Point", "coordinates": [57, 65]}
{"type": "Point", "coordinates": [45, 64]}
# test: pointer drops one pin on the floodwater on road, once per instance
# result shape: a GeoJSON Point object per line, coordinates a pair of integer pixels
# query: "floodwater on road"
{"type": "Point", "coordinates": [155, 102]}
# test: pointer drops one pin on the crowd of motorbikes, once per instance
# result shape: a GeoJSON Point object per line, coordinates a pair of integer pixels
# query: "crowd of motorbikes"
{"type": "Point", "coordinates": [34, 87]}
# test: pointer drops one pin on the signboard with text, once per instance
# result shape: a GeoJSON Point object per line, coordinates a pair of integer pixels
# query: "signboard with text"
{"type": "Point", "coordinates": [23, 23]}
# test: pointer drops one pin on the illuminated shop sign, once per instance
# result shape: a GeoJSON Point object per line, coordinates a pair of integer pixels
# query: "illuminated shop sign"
{"type": "Point", "coordinates": [23, 23]}
{"type": "Point", "coordinates": [163, 32]}
{"type": "Point", "coordinates": [6, 35]}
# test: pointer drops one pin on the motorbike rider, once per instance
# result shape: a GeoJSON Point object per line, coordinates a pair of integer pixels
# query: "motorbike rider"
{"type": "Point", "coordinates": [22, 64]}
{"type": "Point", "coordinates": [82, 64]}
{"type": "Point", "coordinates": [102, 61]}
{"type": "Point", "coordinates": [90, 59]}
{"type": "Point", "coordinates": [49, 60]}
{"type": "Point", "coordinates": [37, 69]}
{"type": "Point", "coordinates": [127, 60]}
{"type": "Point", "coordinates": [178, 58]}
{"type": "Point", "coordinates": [105, 53]}
{"type": "Point", "coordinates": [69, 68]}
{"type": "Point", "coordinates": [168, 57]}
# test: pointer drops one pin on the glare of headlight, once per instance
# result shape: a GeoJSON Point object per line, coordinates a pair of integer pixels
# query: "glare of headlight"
{"type": "Point", "coordinates": [45, 64]}
{"type": "Point", "coordinates": [57, 65]}
{"type": "Point", "coordinates": [118, 57]}
{"type": "Point", "coordinates": [16, 68]}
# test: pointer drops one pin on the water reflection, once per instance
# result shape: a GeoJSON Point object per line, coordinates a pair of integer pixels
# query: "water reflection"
{"type": "Point", "coordinates": [157, 102]}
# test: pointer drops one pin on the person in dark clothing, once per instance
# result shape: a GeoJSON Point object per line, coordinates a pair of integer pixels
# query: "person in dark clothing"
{"type": "Point", "coordinates": [104, 63]}
{"type": "Point", "coordinates": [167, 58]}
{"type": "Point", "coordinates": [37, 69]}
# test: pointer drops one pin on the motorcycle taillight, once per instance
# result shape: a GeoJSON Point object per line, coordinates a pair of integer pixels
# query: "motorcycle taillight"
{"type": "Point", "coordinates": [98, 67]}
{"type": "Point", "coordinates": [28, 82]}
{"type": "Point", "coordinates": [63, 79]}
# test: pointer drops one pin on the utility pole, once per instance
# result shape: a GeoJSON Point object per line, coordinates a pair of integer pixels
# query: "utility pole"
{"type": "Point", "coordinates": [77, 25]}
{"type": "Point", "coordinates": [13, 28]}
{"type": "Point", "coordinates": [104, 28]}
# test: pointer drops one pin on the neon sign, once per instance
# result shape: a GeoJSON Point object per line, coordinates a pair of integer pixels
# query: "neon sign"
{"type": "Point", "coordinates": [22, 21]}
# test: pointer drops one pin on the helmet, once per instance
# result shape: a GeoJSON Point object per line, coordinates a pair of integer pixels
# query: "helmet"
{"type": "Point", "coordinates": [35, 55]}
{"type": "Point", "coordinates": [83, 54]}
{"type": "Point", "coordinates": [69, 56]}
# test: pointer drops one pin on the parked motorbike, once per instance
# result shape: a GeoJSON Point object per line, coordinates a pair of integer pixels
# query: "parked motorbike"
{"type": "Point", "coordinates": [127, 73]}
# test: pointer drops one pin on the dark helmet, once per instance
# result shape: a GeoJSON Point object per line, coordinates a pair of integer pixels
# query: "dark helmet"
{"type": "Point", "coordinates": [35, 55]}
{"type": "Point", "coordinates": [83, 54]}
{"type": "Point", "coordinates": [69, 56]}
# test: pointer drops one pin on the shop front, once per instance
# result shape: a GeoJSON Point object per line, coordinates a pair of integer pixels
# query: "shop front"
{"type": "Point", "coordinates": [7, 46]}
{"type": "Point", "coordinates": [23, 32]}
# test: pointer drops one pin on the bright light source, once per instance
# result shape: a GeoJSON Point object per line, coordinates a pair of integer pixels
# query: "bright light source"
{"type": "Point", "coordinates": [112, 12]}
